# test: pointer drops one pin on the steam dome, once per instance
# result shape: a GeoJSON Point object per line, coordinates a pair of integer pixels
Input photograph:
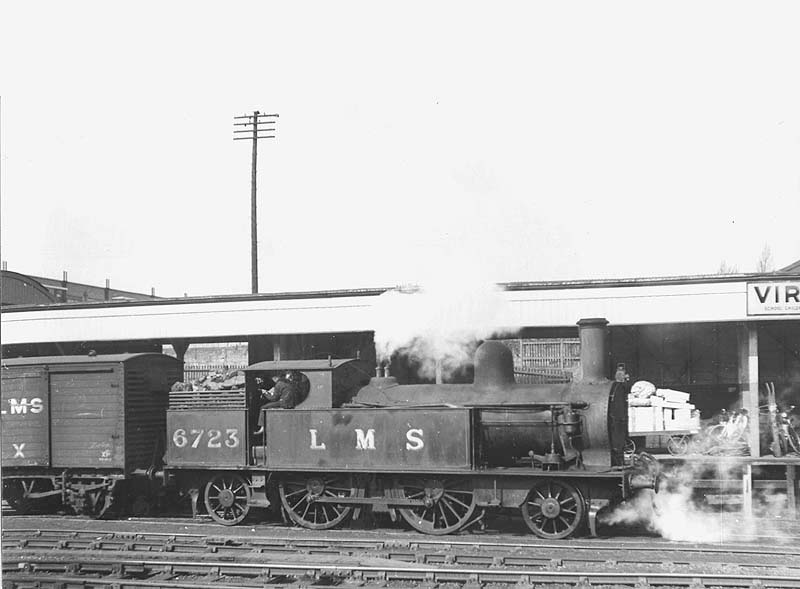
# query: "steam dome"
{"type": "Point", "coordinates": [494, 365]}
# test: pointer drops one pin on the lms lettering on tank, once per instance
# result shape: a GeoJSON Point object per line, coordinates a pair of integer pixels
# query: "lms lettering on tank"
{"type": "Point", "coordinates": [366, 440]}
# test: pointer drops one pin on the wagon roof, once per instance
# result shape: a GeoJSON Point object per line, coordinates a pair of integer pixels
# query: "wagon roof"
{"type": "Point", "coordinates": [83, 359]}
{"type": "Point", "coordinates": [272, 365]}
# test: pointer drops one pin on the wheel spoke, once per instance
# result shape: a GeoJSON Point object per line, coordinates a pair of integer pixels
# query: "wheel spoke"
{"type": "Point", "coordinates": [297, 492]}
{"type": "Point", "coordinates": [450, 507]}
{"type": "Point", "coordinates": [298, 502]}
{"type": "Point", "coordinates": [455, 500]}
{"type": "Point", "coordinates": [440, 510]}
{"type": "Point", "coordinates": [335, 490]}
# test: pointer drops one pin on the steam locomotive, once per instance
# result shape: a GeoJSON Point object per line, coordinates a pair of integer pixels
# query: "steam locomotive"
{"type": "Point", "coordinates": [96, 433]}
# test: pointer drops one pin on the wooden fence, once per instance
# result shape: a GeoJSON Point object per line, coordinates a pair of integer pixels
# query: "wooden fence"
{"type": "Point", "coordinates": [198, 371]}
{"type": "Point", "coordinates": [543, 361]}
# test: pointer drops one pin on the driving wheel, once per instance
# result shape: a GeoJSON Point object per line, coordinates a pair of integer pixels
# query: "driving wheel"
{"type": "Point", "coordinates": [300, 493]}
{"type": "Point", "coordinates": [447, 504]}
{"type": "Point", "coordinates": [553, 509]}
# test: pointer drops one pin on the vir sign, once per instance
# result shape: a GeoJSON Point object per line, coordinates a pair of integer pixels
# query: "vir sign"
{"type": "Point", "coordinates": [781, 297]}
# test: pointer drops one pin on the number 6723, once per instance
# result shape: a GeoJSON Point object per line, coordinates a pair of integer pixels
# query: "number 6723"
{"type": "Point", "coordinates": [213, 438]}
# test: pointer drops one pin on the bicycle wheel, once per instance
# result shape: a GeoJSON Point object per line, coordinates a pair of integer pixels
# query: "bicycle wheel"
{"type": "Point", "coordinates": [678, 445]}
{"type": "Point", "coordinates": [715, 432]}
{"type": "Point", "coordinates": [792, 441]}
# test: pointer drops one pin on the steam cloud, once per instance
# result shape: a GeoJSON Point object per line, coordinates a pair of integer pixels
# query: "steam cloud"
{"type": "Point", "coordinates": [439, 322]}
{"type": "Point", "coordinates": [679, 512]}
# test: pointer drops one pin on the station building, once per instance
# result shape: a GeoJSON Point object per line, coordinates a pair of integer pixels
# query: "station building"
{"type": "Point", "coordinates": [717, 337]}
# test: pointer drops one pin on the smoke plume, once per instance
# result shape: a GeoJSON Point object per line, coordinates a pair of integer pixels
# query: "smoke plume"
{"type": "Point", "coordinates": [437, 323]}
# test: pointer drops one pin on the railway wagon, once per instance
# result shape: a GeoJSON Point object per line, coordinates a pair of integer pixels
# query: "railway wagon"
{"type": "Point", "coordinates": [437, 456]}
{"type": "Point", "coordinates": [80, 432]}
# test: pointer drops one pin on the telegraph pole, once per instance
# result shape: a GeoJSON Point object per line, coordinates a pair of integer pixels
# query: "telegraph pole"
{"type": "Point", "coordinates": [254, 127]}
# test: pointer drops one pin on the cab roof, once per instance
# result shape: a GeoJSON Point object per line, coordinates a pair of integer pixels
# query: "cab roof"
{"type": "Point", "coordinates": [302, 365]}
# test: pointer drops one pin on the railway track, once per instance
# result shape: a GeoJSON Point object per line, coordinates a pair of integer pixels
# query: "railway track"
{"type": "Point", "coordinates": [169, 560]}
{"type": "Point", "coordinates": [120, 573]}
{"type": "Point", "coordinates": [422, 551]}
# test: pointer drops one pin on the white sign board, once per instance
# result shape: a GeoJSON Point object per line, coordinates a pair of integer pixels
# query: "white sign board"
{"type": "Point", "coordinates": [780, 297]}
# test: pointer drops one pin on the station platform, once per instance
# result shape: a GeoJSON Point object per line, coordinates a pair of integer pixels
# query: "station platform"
{"type": "Point", "coordinates": [752, 482]}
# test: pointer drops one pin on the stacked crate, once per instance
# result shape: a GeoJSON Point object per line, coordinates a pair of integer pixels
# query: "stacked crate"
{"type": "Point", "coordinates": [662, 410]}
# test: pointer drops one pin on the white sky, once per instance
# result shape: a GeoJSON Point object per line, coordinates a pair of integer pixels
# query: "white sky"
{"type": "Point", "coordinates": [513, 141]}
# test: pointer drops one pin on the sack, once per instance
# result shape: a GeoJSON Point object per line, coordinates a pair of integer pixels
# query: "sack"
{"type": "Point", "coordinates": [643, 389]}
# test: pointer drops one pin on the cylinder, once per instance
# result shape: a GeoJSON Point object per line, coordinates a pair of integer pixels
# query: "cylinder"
{"type": "Point", "coordinates": [593, 335]}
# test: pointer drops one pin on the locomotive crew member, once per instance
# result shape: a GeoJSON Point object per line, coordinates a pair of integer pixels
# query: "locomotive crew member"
{"type": "Point", "coordinates": [286, 394]}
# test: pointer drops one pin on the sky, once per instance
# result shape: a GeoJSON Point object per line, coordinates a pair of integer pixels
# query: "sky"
{"type": "Point", "coordinates": [417, 141]}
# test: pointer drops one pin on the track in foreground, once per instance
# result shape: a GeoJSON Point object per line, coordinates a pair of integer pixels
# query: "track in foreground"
{"type": "Point", "coordinates": [118, 573]}
{"type": "Point", "coordinates": [63, 557]}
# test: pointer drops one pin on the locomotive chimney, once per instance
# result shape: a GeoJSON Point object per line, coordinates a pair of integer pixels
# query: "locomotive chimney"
{"type": "Point", "coordinates": [593, 334]}
{"type": "Point", "coordinates": [378, 371]}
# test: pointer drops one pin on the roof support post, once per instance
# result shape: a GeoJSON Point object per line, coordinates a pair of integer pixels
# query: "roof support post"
{"type": "Point", "coordinates": [748, 380]}
{"type": "Point", "coordinates": [180, 346]}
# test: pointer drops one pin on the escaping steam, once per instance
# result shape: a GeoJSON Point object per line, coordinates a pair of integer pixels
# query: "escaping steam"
{"type": "Point", "coordinates": [437, 325]}
{"type": "Point", "coordinates": [684, 511]}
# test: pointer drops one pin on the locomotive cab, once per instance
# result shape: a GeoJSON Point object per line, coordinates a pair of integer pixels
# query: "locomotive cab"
{"type": "Point", "coordinates": [326, 384]}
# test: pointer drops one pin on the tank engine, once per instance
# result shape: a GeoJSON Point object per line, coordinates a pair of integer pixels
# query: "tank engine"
{"type": "Point", "coordinates": [437, 456]}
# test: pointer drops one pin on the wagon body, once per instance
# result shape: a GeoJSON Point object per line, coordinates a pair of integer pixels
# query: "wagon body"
{"type": "Point", "coordinates": [85, 412]}
{"type": "Point", "coordinates": [78, 424]}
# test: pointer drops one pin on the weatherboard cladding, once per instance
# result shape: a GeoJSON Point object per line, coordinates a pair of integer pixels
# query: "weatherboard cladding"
{"type": "Point", "coordinates": [87, 417]}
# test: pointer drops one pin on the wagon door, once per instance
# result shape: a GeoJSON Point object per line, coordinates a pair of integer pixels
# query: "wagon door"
{"type": "Point", "coordinates": [85, 407]}
{"type": "Point", "coordinates": [23, 417]}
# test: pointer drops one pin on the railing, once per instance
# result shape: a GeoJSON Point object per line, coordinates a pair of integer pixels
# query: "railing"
{"type": "Point", "coordinates": [198, 371]}
{"type": "Point", "coordinates": [543, 376]}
